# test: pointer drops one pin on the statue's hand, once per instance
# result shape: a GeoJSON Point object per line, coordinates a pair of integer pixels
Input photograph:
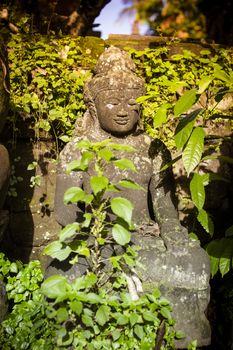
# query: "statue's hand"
{"type": "Point", "coordinates": [174, 234]}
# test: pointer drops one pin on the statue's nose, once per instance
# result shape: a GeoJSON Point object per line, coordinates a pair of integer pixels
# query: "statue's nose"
{"type": "Point", "coordinates": [122, 113]}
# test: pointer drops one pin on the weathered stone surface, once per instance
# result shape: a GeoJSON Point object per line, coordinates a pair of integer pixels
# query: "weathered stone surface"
{"type": "Point", "coordinates": [3, 301]}
{"type": "Point", "coordinates": [175, 264]}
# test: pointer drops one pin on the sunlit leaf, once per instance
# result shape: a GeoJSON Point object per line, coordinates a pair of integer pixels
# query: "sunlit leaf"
{"type": "Point", "coordinates": [130, 184]}
{"type": "Point", "coordinates": [102, 315]}
{"type": "Point", "coordinates": [204, 83]}
{"type": "Point", "coordinates": [57, 250]}
{"type": "Point", "coordinates": [124, 164]}
{"type": "Point", "coordinates": [184, 128]}
{"type": "Point", "coordinates": [98, 183]}
{"type": "Point", "coordinates": [54, 286]}
{"type": "Point", "coordinates": [123, 208]}
{"type": "Point", "coordinates": [193, 151]}
{"type": "Point", "coordinates": [160, 116]}
{"type": "Point", "coordinates": [185, 102]}
{"type": "Point", "coordinates": [73, 195]}
{"type": "Point", "coordinates": [206, 222]}
{"type": "Point", "coordinates": [120, 234]}
{"type": "Point", "coordinates": [69, 231]}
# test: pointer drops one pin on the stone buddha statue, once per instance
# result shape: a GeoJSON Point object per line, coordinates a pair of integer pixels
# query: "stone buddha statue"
{"type": "Point", "coordinates": [178, 266]}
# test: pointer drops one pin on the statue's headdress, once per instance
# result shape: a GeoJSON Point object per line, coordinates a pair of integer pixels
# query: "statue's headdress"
{"type": "Point", "coordinates": [115, 70]}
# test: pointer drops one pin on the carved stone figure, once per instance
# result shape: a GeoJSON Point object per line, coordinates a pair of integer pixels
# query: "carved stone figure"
{"type": "Point", "coordinates": [178, 266]}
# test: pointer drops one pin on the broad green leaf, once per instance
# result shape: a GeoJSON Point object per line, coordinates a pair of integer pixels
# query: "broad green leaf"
{"type": "Point", "coordinates": [149, 316]}
{"type": "Point", "coordinates": [87, 320]}
{"type": "Point", "coordinates": [122, 319]}
{"type": "Point", "coordinates": [90, 280]}
{"type": "Point", "coordinates": [115, 334]}
{"type": "Point", "coordinates": [83, 144]}
{"type": "Point", "coordinates": [220, 252]}
{"type": "Point", "coordinates": [185, 127]}
{"type": "Point", "coordinates": [226, 258]}
{"type": "Point", "coordinates": [197, 191]}
{"type": "Point", "coordinates": [160, 116]}
{"type": "Point", "coordinates": [121, 147]}
{"type": "Point", "coordinates": [193, 151]}
{"type": "Point", "coordinates": [185, 102]}
{"type": "Point", "coordinates": [93, 298]}
{"type": "Point", "coordinates": [165, 312]}
{"type": "Point", "coordinates": [73, 195]}
{"type": "Point", "coordinates": [206, 222]}
{"type": "Point", "coordinates": [76, 306]}
{"type": "Point", "coordinates": [133, 318]}
{"type": "Point", "coordinates": [54, 286]}
{"type": "Point", "coordinates": [120, 234]}
{"type": "Point", "coordinates": [88, 217]}
{"type": "Point", "coordinates": [138, 331]}
{"type": "Point", "coordinates": [125, 164]}
{"type": "Point", "coordinates": [123, 208]}
{"type": "Point", "coordinates": [85, 160]}
{"type": "Point", "coordinates": [72, 166]}
{"type": "Point", "coordinates": [69, 231]}
{"type": "Point", "coordinates": [62, 314]}
{"type": "Point", "coordinates": [130, 184]}
{"type": "Point", "coordinates": [204, 83]}
{"type": "Point", "coordinates": [98, 183]}
{"type": "Point", "coordinates": [180, 335]}
{"type": "Point", "coordinates": [105, 154]}
{"type": "Point", "coordinates": [102, 315]}
{"type": "Point", "coordinates": [57, 250]}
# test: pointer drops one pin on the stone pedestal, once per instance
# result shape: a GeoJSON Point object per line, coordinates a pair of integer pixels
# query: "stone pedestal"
{"type": "Point", "coordinates": [182, 275]}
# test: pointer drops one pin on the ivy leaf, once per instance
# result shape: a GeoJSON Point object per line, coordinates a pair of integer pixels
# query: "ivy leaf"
{"type": "Point", "coordinates": [102, 315]}
{"type": "Point", "coordinates": [120, 234]}
{"type": "Point", "coordinates": [185, 102]}
{"type": "Point", "coordinates": [206, 222]}
{"type": "Point", "coordinates": [98, 183]}
{"type": "Point", "coordinates": [123, 208]}
{"type": "Point", "coordinates": [57, 250]}
{"type": "Point", "coordinates": [54, 286]}
{"type": "Point", "coordinates": [197, 191]}
{"type": "Point", "coordinates": [160, 116]}
{"type": "Point", "coordinates": [130, 184]}
{"type": "Point", "coordinates": [185, 127]}
{"type": "Point", "coordinates": [73, 195]}
{"type": "Point", "coordinates": [125, 164]}
{"type": "Point", "coordinates": [68, 231]}
{"type": "Point", "coordinates": [193, 151]}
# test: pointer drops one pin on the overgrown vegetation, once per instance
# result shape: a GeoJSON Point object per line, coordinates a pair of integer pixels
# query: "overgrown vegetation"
{"type": "Point", "coordinates": [94, 311]}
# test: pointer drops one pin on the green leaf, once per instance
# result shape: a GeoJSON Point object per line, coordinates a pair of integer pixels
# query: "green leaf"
{"type": "Point", "coordinates": [69, 231]}
{"type": "Point", "coordinates": [185, 127]}
{"type": "Point", "coordinates": [123, 208]}
{"type": "Point", "coordinates": [180, 335]}
{"type": "Point", "coordinates": [185, 102]}
{"type": "Point", "coordinates": [115, 334]}
{"type": "Point", "coordinates": [122, 319]}
{"type": "Point", "coordinates": [72, 166]}
{"type": "Point", "coordinates": [99, 183]}
{"type": "Point", "coordinates": [120, 234]}
{"type": "Point", "coordinates": [193, 151]}
{"type": "Point", "coordinates": [133, 318]}
{"type": "Point", "coordinates": [130, 184]}
{"type": "Point", "coordinates": [105, 154]}
{"type": "Point", "coordinates": [121, 147]}
{"type": "Point", "coordinates": [165, 312]}
{"type": "Point", "coordinates": [90, 280]}
{"type": "Point", "coordinates": [220, 74]}
{"type": "Point", "coordinates": [160, 116]}
{"type": "Point", "coordinates": [138, 331]}
{"type": "Point", "coordinates": [204, 83]}
{"type": "Point", "coordinates": [62, 314]}
{"type": "Point", "coordinates": [74, 195]}
{"type": "Point", "coordinates": [87, 320]}
{"type": "Point", "coordinates": [229, 231]}
{"type": "Point", "coordinates": [125, 164]}
{"type": "Point", "coordinates": [54, 286]}
{"type": "Point", "coordinates": [206, 222]}
{"type": "Point", "coordinates": [226, 258]}
{"type": "Point", "coordinates": [88, 217]}
{"type": "Point", "coordinates": [83, 144]}
{"type": "Point", "coordinates": [57, 250]}
{"type": "Point", "coordinates": [149, 316]}
{"type": "Point", "coordinates": [197, 191]}
{"type": "Point", "coordinates": [76, 306]}
{"type": "Point", "coordinates": [102, 315]}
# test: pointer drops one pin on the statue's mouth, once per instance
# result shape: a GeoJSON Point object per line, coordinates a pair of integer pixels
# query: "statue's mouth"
{"type": "Point", "coordinates": [121, 121]}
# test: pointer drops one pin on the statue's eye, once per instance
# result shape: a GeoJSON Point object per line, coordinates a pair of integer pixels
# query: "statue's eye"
{"type": "Point", "coordinates": [132, 102]}
{"type": "Point", "coordinates": [113, 102]}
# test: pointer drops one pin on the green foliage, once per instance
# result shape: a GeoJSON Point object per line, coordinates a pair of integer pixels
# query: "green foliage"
{"type": "Point", "coordinates": [47, 77]}
{"type": "Point", "coordinates": [28, 324]}
{"type": "Point", "coordinates": [95, 311]}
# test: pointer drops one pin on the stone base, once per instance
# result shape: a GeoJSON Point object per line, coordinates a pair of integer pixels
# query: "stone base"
{"type": "Point", "coordinates": [182, 275]}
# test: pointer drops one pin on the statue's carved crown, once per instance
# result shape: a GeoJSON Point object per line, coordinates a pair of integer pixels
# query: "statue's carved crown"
{"type": "Point", "coordinates": [115, 70]}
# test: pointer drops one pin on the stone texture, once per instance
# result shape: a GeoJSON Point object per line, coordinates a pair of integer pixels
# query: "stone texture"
{"type": "Point", "coordinates": [3, 302]}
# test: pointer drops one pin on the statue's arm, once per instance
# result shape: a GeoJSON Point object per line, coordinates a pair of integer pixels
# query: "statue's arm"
{"type": "Point", "coordinates": [162, 189]}
{"type": "Point", "coordinates": [66, 213]}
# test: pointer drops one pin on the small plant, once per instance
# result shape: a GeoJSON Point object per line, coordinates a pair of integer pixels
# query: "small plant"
{"type": "Point", "coordinates": [95, 311]}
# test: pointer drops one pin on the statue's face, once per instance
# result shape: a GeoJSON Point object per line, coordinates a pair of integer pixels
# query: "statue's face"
{"type": "Point", "coordinates": [117, 111]}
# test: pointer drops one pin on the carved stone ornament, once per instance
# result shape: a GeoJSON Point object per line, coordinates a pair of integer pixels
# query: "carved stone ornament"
{"type": "Point", "coordinates": [175, 264]}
